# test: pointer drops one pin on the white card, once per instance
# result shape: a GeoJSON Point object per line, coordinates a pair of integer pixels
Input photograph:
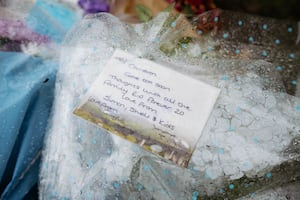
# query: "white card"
{"type": "Point", "coordinates": [151, 105]}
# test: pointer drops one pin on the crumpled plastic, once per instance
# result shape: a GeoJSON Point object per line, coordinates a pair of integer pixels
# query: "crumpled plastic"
{"type": "Point", "coordinates": [250, 143]}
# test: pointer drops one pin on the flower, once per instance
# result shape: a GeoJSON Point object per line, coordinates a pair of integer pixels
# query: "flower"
{"type": "Point", "coordinates": [15, 33]}
{"type": "Point", "coordinates": [18, 31]}
{"type": "Point", "coordinates": [94, 6]}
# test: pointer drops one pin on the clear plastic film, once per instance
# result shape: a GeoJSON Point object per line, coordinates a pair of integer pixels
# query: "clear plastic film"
{"type": "Point", "coordinates": [250, 142]}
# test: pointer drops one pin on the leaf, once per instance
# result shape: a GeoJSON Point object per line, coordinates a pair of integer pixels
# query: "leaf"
{"type": "Point", "coordinates": [144, 14]}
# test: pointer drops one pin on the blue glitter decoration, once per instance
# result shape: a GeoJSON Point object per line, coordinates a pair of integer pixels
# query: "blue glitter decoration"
{"type": "Point", "coordinates": [94, 141]}
{"type": "Point", "coordinates": [166, 172]}
{"type": "Point", "coordinates": [292, 56]}
{"type": "Point", "coordinates": [230, 129]}
{"type": "Point", "coordinates": [264, 53]}
{"type": "Point", "coordinates": [183, 45]}
{"type": "Point", "coordinates": [91, 163]}
{"type": "Point", "coordinates": [224, 77]}
{"type": "Point", "coordinates": [140, 187]}
{"type": "Point", "coordinates": [216, 19]}
{"type": "Point", "coordinates": [192, 168]}
{"type": "Point", "coordinates": [200, 32]}
{"type": "Point", "coordinates": [108, 151]}
{"type": "Point", "coordinates": [146, 168]}
{"type": "Point", "coordinates": [231, 186]}
{"type": "Point", "coordinates": [88, 196]}
{"type": "Point", "coordinates": [255, 140]}
{"type": "Point", "coordinates": [240, 23]}
{"type": "Point", "coordinates": [277, 41]}
{"type": "Point", "coordinates": [225, 35]}
{"type": "Point", "coordinates": [237, 51]}
{"type": "Point", "coordinates": [55, 194]}
{"type": "Point", "coordinates": [246, 164]}
{"type": "Point", "coordinates": [294, 82]}
{"type": "Point", "coordinates": [195, 195]}
{"type": "Point", "coordinates": [155, 40]}
{"type": "Point", "coordinates": [116, 185]}
{"type": "Point", "coordinates": [238, 109]}
{"type": "Point", "coordinates": [251, 39]}
{"type": "Point", "coordinates": [221, 190]}
{"type": "Point", "coordinates": [210, 48]}
{"type": "Point", "coordinates": [298, 108]}
{"type": "Point", "coordinates": [290, 29]}
{"type": "Point", "coordinates": [80, 134]}
{"type": "Point", "coordinates": [269, 175]}
{"type": "Point", "coordinates": [265, 26]}
{"type": "Point", "coordinates": [279, 68]}
{"type": "Point", "coordinates": [207, 176]}
{"type": "Point", "coordinates": [220, 151]}
{"type": "Point", "coordinates": [173, 24]}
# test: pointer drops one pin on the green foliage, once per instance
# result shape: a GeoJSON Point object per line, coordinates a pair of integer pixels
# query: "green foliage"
{"type": "Point", "coordinates": [144, 13]}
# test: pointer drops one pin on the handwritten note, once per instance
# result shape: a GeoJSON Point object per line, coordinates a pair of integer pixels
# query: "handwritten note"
{"type": "Point", "coordinates": [151, 105]}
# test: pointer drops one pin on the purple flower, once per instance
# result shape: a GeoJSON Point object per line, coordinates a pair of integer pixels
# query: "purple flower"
{"type": "Point", "coordinates": [18, 31]}
{"type": "Point", "coordinates": [15, 33]}
{"type": "Point", "coordinates": [94, 6]}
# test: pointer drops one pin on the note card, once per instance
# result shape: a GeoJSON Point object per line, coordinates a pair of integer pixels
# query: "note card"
{"type": "Point", "coordinates": [148, 104]}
